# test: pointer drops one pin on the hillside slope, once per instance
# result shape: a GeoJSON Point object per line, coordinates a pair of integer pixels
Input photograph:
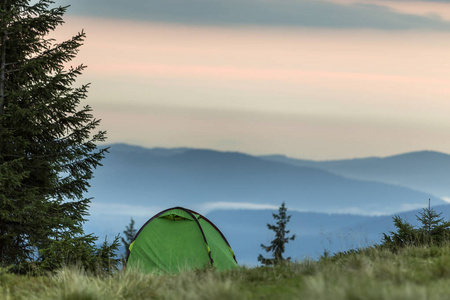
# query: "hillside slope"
{"type": "Point", "coordinates": [413, 274]}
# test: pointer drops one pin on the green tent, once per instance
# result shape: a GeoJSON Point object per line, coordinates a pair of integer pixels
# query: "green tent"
{"type": "Point", "coordinates": [179, 239]}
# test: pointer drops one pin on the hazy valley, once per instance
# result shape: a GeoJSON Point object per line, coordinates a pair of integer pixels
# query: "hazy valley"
{"type": "Point", "coordinates": [238, 192]}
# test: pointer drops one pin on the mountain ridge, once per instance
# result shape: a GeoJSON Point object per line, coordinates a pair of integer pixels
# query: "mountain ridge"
{"type": "Point", "coordinates": [164, 151]}
{"type": "Point", "coordinates": [427, 171]}
{"type": "Point", "coordinates": [194, 176]}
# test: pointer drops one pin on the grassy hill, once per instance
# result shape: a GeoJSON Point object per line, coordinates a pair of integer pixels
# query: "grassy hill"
{"type": "Point", "coordinates": [413, 273]}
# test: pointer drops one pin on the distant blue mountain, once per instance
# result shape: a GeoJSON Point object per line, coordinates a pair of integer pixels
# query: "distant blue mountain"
{"type": "Point", "coordinates": [192, 177]}
{"type": "Point", "coordinates": [315, 232]}
{"type": "Point", "coordinates": [139, 182]}
{"type": "Point", "coordinates": [427, 171]}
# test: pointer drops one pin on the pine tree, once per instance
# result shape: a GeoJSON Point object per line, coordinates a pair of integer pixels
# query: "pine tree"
{"type": "Point", "coordinates": [130, 233]}
{"type": "Point", "coordinates": [432, 223]}
{"type": "Point", "coordinates": [433, 230]}
{"type": "Point", "coordinates": [277, 246]}
{"type": "Point", "coordinates": [406, 235]}
{"type": "Point", "coordinates": [47, 150]}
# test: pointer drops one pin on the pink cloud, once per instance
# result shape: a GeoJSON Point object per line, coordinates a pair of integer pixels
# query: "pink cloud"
{"type": "Point", "coordinates": [270, 90]}
{"type": "Point", "coordinates": [239, 73]}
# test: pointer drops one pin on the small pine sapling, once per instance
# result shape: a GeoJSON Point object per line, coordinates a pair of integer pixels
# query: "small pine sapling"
{"type": "Point", "coordinates": [277, 246]}
{"type": "Point", "coordinates": [434, 229]}
{"type": "Point", "coordinates": [130, 233]}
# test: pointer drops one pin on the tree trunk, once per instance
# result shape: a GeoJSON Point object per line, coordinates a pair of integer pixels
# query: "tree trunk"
{"type": "Point", "coordinates": [3, 62]}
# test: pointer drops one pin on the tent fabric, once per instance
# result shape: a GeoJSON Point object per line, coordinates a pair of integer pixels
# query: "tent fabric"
{"type": "Point", "coordinates": [179, 239]}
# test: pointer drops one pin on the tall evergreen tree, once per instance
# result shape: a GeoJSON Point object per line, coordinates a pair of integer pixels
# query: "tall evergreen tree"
{"type": "Point", "coordinates": [47, 149]}
{"type": "Point", "coordinates": [278, 245]}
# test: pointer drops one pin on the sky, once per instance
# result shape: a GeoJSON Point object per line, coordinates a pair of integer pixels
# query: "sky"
{"type": "Point", "coordinates": [308, 79]}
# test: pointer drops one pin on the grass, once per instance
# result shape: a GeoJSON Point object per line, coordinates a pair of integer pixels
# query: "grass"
{"type": "Point", "coordinates": [413, 273]}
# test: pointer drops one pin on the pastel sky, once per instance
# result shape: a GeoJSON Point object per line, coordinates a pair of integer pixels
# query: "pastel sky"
{"type": "Point", "coordinates": [309, 79]}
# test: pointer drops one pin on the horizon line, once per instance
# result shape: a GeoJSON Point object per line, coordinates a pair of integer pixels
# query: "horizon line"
{"type": "Point", "coordinates": [270, 154]}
